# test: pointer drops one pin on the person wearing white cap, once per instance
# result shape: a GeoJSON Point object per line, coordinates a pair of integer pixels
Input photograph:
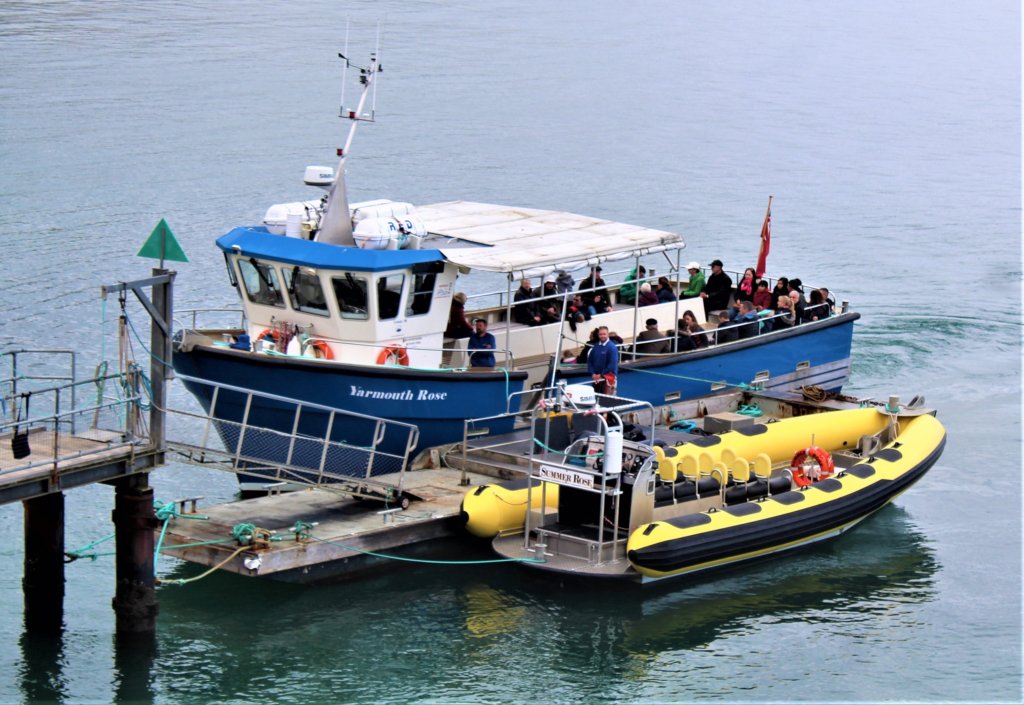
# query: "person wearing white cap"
{"type": "Point", "coordinates": [696, 283]}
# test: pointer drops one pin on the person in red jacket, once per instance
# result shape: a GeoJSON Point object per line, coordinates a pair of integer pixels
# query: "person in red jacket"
{"type": "Point", "coordinates": [762, 297]}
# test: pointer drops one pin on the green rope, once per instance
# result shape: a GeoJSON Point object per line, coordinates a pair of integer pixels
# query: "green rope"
{"type": "Point", "coordinates": [740, 385]}
{"type": "Point", "coordinates": [243, 533]}
{"type": "Point", "coordinates": [143, 345]}
{"type": "Point", "coordinates": [426, 560]}
{"type": "Point", "coordinates": [750, 410]}
{"type": "Point", "coordinates": [165, 511]}
{"type": "Point", "coordinates": [81, 552]}
{"type": "Point", "coordinates": [568, 455]}
{"type": "Point", "coordinates": [302, 530]}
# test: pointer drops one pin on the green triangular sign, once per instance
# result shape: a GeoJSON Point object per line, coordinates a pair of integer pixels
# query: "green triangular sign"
{"type": "Point", "coordinates": [161, 245]}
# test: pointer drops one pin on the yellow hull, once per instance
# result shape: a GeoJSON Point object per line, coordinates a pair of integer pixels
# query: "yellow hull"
{"type": "Point", "coordinates": [490, 510]}
{"type": "Point", "coordinates": [701, 541]}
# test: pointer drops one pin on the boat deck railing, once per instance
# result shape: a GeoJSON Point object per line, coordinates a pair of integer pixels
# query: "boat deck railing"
{"type": "Point", "coordinates": [42, 398]}
{"type": "Point", "coordinates": [539, 437]}
{"type": "Point", "coordinates": [206, 318]}
{"type": "Point", "coordinates": [230, 436]}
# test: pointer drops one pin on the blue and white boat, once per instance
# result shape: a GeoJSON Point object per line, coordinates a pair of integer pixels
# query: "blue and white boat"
{"type": "Point", "coordinates": [346, 305]}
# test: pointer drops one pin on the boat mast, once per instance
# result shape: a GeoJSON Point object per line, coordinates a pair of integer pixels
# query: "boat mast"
{"type": "Point", "coordinates": [336, 223]}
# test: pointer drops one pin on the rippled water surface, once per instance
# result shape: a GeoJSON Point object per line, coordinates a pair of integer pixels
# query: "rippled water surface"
{"type": "Point", "coordinates": [888, 135]}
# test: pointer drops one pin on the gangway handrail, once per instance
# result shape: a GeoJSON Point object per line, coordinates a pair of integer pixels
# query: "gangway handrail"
{"type": "Point", "coordinates": [239, 457]}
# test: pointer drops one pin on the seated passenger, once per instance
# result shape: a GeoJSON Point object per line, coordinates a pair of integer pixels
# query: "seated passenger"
{"type": "Point", "coordinates": [665, 292]}
{"type": "Point", "coordinates": [576, 312]}
{"type": "Point", "coordinates": [549, 304]}
{"type": "Point", "coordinates": [564, 281]}
{"type": "Point", "coordinates": [817, 309]}
{"type": "Point", "coordinates": [781, 289]}
{"type": "Point", "coordinates": [584, 353]}
{"type": "Point", "coordinates": [526, 310]}
{"type": "Point", "coordinates": [695, 285]}
{"type": "Point", "coordinates": [627, 292]}
{"type": "Point", "coordinates": [785, 314]}
{"type": "Point", "coordinates": [747, 321]}
{"type": "Point", "coordinates": [594, 294]}
{"type": "Point", "coordinates": [747, 286]}
{"type": "Point", "coordinates": [691, 335]}
{"type": "Point", "coordinates": [646, 297]}
{"type": "Point", "coordinates": [762, 297]}
{"type": "Point", "coordinates": [650, 341]}
{"type": "Point", "coordinates": [726, 331]}
{"type": "Point", "coordinates": [796, 295]}
{"type": "Point", "coordinates": [829, 299]}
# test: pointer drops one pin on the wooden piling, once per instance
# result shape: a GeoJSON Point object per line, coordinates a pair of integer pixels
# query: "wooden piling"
{"type": "Point", "coordinates": [134, 601]}
{"type": "Point", "coordinates": [43, 579]}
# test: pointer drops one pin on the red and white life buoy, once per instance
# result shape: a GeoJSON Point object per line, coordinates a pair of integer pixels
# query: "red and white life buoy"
{"type": "Point", "coordinates": [272, 332]}
{"type": "Point", "coordinates": [812, 464]}
{"type": "Point", "coordinates": [393, 355]}
{"type": "Point", "coordinates": [321, 349]}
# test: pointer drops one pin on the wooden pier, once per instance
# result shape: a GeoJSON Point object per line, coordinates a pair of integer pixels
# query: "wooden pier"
{"type": "Point", "coordinates": [339, 536]}
{"type": "Point", "coordinates": [50, 443]}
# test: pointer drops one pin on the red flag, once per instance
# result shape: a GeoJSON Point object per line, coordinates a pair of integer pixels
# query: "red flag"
{"type": "Point", "coordinates": [766, 241]}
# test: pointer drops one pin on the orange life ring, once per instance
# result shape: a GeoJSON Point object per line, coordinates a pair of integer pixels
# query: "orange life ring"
{"type": "Point", "coordinates": [394, 352]}
{"type": "Point", "coordinates": [812, 464]}
{"type": "Point", "coordinates": [321, 349]}
{"type": "Point", "coordinates": [272, 332]}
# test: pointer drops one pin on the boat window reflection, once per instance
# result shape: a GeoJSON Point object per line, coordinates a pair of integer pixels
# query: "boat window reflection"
{"type": "Point", "coordinates": [422, 294]}
{"type": "Point", "coordinates": [261, 283]}
{"type": "Point", "coordinates": [389, 294]}
{"type": "Point", "coordinates": [350, 291]}
{"type": "Point", "coordinates": [305, 292]}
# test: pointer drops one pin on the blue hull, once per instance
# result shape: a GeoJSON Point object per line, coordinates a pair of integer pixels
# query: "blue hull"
{"type": "Point", "coordinates": [437, 402]}
{"type": "Point", "coordinates": [810, 354]}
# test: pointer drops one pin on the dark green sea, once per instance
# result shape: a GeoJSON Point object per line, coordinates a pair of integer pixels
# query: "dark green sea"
{"type": "Point", "coordinates": [888, 134]}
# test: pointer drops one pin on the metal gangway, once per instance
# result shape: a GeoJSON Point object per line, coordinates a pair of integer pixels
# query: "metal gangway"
{"type": "Point", "coordinates": [239, 430]}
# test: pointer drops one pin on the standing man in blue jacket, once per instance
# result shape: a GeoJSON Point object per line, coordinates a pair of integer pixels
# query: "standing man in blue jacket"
{"type": "Point", "coordinates": [482, 345]}
{"type": "Point", "coordinates": [603, 363]}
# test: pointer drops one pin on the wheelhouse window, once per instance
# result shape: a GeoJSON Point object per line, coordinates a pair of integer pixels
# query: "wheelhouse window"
{"type": "Point", "coordinates": [424, 278]}
{"type": "Point", "coordinates": [422, 294]}
{"type": "Point", "coordinates": [389, 295]}
{"type": "Point", "coordinates": [350, 291]}
{"type": "Point", "coordinates": [261, 284]}
{"type": "Point", "coordinates": [305, 292]}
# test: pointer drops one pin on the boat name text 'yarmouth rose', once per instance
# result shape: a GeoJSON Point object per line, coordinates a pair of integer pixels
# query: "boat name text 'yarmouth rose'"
{"type": "Point", "coordinates": [404, 395]}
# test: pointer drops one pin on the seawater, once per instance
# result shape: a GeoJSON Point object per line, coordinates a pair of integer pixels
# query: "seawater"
{"type": "Point", "coordinates": [888, 135]}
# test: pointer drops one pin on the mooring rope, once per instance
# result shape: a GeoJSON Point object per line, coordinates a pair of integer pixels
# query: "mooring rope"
{"type": "Point", "coordinates": [739, 385]}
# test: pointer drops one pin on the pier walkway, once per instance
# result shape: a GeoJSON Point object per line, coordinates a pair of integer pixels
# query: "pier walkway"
{"type": "Point", "coordinates": [66, 443]}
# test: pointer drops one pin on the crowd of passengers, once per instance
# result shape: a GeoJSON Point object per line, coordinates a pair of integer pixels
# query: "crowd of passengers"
{"type": "Point", "coordinates": [736, 310]}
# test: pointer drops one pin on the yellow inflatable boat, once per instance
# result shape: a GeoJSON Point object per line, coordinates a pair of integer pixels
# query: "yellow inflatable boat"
{"type": "Point", "coordinates": [711, 500]}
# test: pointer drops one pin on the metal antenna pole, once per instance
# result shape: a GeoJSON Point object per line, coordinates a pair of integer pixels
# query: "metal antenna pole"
{"type": "Point", "coordinates": [344, 72]}
{"type": "Point", "coordinates": [376, 54]}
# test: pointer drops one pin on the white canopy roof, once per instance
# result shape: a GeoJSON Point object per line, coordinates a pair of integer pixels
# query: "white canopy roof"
{"type": "Point", "coordinates": [528, 241]}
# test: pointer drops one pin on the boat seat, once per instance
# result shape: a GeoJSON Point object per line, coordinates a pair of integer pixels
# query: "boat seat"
{"type": "Point", "coordinates": [741, 470]}
{"type": "Point", "coordinates": [689, 468]}
{"type": "Point", "coordinates": [728, 457]}
{"type": "Point", "coordinates": [666, 463]}
{"type": "Point", "coordinates": [556, 430]}
{"type": "Point", "coordinates": [585, 424]}
{"type": "Point", "coordinates": [762, 466]}
{"type": "Point", "coordinates": [705, 461]}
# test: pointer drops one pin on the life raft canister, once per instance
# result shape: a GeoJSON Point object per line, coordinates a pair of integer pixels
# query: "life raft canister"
{"type": "Point", "coordinates": [812, 464]}
{"type": "Point", "coordinates": [394, 355]}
